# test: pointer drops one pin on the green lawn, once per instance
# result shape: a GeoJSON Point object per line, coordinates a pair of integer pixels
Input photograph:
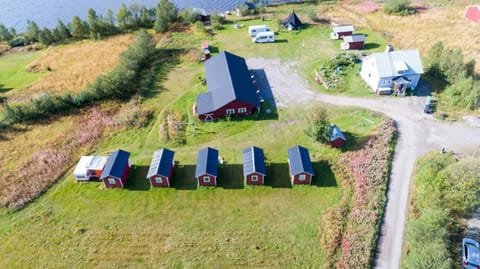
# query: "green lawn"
{"type": "Point", "coordinates": [12, 71]}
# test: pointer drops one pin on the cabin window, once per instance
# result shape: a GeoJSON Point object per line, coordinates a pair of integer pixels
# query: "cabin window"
{"type": "Point", "coordinates": [112, 181]}
{"type": "Point", "coordinates": [242, 110]}
{"type": "Point", "coordinates": [159, 180]}
{"type": "Point", "coordinates": [230, 111]}
{"type": "Point", "coordinates": [302, 177]}
{"type": "Point", "coordinates": [254, 178]}
{"type": "Point", "coordinates": [206, 179]}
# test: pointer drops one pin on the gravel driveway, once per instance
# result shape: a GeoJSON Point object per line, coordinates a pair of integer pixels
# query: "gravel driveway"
{"type": "Point", "coordinates": [418, 134]}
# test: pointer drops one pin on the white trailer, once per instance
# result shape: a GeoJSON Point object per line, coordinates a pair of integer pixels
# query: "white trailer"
{"type": "Point", "coordinates": [89, 167]}
{"type": "Point", "coordinates": [264, 37]}
{"type": "Point", "coordinates": [255, 29]}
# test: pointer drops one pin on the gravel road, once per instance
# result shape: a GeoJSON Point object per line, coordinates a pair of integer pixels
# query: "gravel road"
{"type": "Point", "coordinates": [418, 134]}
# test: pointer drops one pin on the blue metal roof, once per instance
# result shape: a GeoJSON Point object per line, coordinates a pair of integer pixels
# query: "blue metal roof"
{"type": "Point", "coordinates": [161, 163]}
{"type": "Point", "coordinates": [116, 163]}
{"type": "Point", "coordinates": [299, 160]}
{"type": "Point", "coordinates": [292, 20]}
{"type": "Point", "coordinates": [336, 133]}
{"type": "Point", "coordinates": [253, 161]}
{"type": "Point", "coordinates": [207, 162]}
{"type": "Point", "coordinates": [228, 79]}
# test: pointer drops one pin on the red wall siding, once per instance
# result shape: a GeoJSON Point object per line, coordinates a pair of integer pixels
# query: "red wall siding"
{"type": "Point", "coordinates": [473, 14]}
{"type": "Point", "coordinates": [213, 181]}
{"type": "Point", "coordinates": [296, 178]}
{"type": "Point", "coordinates": [125, 174]}
{"type": "Point", "coordinates": [356, 45]}
{"type": "Point", "coordinates": [155, 184]}
{"type": "Point", "coordinates": [236, 104]}
{"type": "Point", "coordinates": [250, 182]}
{"type": "Point", "coordinates": [108, 185]}
{"type": "Point", "coordinates": [337, 143]}
{"type": "Point", "coordinates": [341, 35]}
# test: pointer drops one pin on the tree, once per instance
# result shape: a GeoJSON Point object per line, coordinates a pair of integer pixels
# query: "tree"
{"type": "Point", "coordinates": [46, 37]}
{"type": "Point", "coordinates": [32, 32]}
{"type": "Point", "coordinates": [13, 32]}
{"type": "Point", "coordinates": [217, 21]}
{"type": "Point", "coordinates": [134, 18]}
{"type": "Point", "coordinates": [189, 15]}
{"type": "Point", "coordinates": [94, 24]}
{"type": "Point", "coordinates": [122, 17]}
{"type": "Point", "coordinates": [319, 126]}
{"type": "Point", "coordinates": [79, 28]}
{"type": "Point", "coordinates": [61, 32]}
{"type": "Point", "coordinates": [165, 14]}
{"type": "Point", "coordinates": [145, 17]}
{"type": "Point", "coordinates": [4, 33]}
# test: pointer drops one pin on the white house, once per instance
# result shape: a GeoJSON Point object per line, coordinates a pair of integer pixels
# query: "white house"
{"type": "Point", "coordinates": [392, 72]}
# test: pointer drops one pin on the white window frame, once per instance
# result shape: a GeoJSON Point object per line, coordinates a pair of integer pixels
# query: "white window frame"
{"type": "Point", "coordinates": [242, 110]}
{"type": "Point", "coordinates": [112, 181]}
{"type": "Point", "coordinates": [254, 178]}
{"type": "Point", "coordinates": [206, 179]}
{"type": "Point", "coordinates": [159, 180]}
{"type": "Point", "coordinates": [230, 111]}
{"type": "Point", "coordinates": [302, 177]}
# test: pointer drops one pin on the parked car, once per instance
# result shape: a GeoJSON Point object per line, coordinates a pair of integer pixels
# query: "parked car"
{"type": "Point", "coordinates": [470, 254]}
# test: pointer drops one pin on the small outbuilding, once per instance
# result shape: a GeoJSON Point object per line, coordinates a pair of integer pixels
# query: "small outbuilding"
{"type": "Point", "coordinates": [89, 167]}
{"type": "Point", "coordinates": [337, 139]}
{"type": "Point", "coordinates": [301, 170]}
{"type": "Point", "coordinates": [353, 42]}
{"type": "Point", "coordinates": [116, 170]}
{"type": "Point", "coordinates": [206, 171]}
{"type": "Point", "coordinates": [254, 166]}
{"type": "Point", "coordinates": [473, 13]}
{"type": "Point", "coordinates": [205, 50]}
{"type": "Point", "coordinates": [161, 168]}
{"type": "Point", "coordinates": [341, 30]}
{"type": "Point", "coordinates": [292, 22]}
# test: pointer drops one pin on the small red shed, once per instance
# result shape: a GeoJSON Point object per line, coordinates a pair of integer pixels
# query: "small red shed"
{"type": "Point", "coordinates": [301, 170]}
{"type": "Point", "coordinates": [116, 170]}
{"type": "Point", "coordinates": [161, 168]}
{"type": "Point", "coordinates": [254, 165]}
{"type": "Point", "coordinates": [337, 139]}
{"type": "Point", "coordinates": [206, 51]}
{"type": "Point", "coordinates": [341, 30]}
{"type": "Point", "coordinates": [353, 42]}
{"type": "Point", "coordinates": [206, 171]}
{"type": "Point", "coordinates": [473, 13]}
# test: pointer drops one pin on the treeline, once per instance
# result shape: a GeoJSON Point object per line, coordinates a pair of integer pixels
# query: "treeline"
{"type": "Point", "coordinates": [443, 191]}
{"type": "Point", "coordinates": [119, 84]}
{"type": "Point", "coordinates": [457, 78]}
{"type": "Point", "coordinates": [127, 18]}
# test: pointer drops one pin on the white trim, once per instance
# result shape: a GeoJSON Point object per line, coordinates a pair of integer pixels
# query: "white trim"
{"type": "Point", "coordinates": [230, 111]}
{"type": "Point", "coordinates": [110, 182]}
{"type": "Point", "coordinates": [157, 178]}
{"type": "Point", "coordinates": [206, 181]}
{"type": "Point", "coordinates": [242, 110]}
{"type": "Point", "coordinates": [254, 178]}
{"type": "Point", "coordinates": [302, 177]}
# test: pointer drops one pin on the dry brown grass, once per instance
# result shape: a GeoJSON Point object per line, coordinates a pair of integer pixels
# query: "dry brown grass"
{"type": "Point", "coordinates": [421, 30]}
{"type": "Point", "coordinates": [73, 66]}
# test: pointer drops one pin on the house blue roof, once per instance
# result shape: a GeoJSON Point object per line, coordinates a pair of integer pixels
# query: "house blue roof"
{"type": "Point", "coordinates": [228, 79]}
{"type": "Point", "coordinates": [253, 161]}
{"type": "Point", "coordinates": [299, 160]}
{"type": "Point", "coordinates": [207, 162]}
{"type": "Point", "coordinates": [161, 163]}
{"type": "Point", "coordinates": [116, 163]}
{"type": "Point", "coordinates": [336, 133]}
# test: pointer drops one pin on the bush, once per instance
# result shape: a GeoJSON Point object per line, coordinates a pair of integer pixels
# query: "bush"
{"type": "Point", "coordinates": [132, 115]}
{"type": "Point", "coordinates": [400, 7]}
{"type": "Point", "coordinates": [318, 126]}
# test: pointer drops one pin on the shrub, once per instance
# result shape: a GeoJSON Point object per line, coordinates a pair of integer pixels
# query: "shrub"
{"type": "Point", "coordinates": [132, 115]}
{"type": "Point", "coordinates": [400, 7]}
{"type": "Point", "coordinates": [318, 126]}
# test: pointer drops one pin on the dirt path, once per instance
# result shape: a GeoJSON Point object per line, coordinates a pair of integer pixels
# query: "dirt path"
{"type": "Point", "coordinates": [418, 134]}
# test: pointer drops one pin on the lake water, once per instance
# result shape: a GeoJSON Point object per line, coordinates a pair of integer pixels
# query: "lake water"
{"type": "Point", "coordinates": [16, 13]}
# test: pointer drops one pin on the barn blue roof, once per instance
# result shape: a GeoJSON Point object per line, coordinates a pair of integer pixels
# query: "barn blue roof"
{"type": "Point", "coordinates": [207, 162]}
{"type": "Point", "coordinates": [299, 160]}
{"type": "Point", "coordinates": [336, 133]}
{"type": "Point", "coordinates": [116, 163]}
{"type": "Point", "coordinates": [161, 163]}
{"type": "Point", "coordinates": [228, 79]}
{"type": "Point", "coordinates": [253, 161]}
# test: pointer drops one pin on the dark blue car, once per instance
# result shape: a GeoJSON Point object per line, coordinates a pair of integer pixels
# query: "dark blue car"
{"type": "Point", "coordinates": [470, 254]}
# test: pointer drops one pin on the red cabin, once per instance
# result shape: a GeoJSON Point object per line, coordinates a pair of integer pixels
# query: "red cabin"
{"type": "Point", "coordinates": [161, 168]}
{"type": "Point", "coordinates": [353, 42]}
{"type": "Point", "coordinates": [341, 31]}
{"type": "Point", "coordinates": [206, 171]}
{"type": "Point", "coordinates": [301, 170]}
{"type": "Point", "coordinates": [337, 139]}
{"type": "Point", "coordinates": [254, 166]}
{"type": "Point", "coordinates": [116, 170]}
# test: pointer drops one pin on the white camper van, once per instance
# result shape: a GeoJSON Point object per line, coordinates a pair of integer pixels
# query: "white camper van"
{"type": "Point", "coordinates": [264, 37]}
{"type": "Point", "coordinates": [89, 167]}
{"type": "Point", "coordinates": [255, 29]}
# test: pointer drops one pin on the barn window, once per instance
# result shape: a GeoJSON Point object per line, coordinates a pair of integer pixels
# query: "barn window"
{"type": "Point", "coordinates": [254, 178]}
{"type": "Point", "coordinates": [242, 110]}
{"type": "Point", "coordinates": [112, 181]}
{"type": "Point", "coordinates": [230, 111]}
{"type": "Point", "coordinates": [302, 177]}
{"type": "Point", "coordinates": [159, 180]}
{"type": "Point", "coordinates": [206, 179]}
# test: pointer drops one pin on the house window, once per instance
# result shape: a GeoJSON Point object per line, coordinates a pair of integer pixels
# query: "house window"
{"type": "Point", "coordinates": [206, 179]}
{"type": "Point", "coordinates": [159, 180]}
{"type": "Point", "coordinates": [302, 177]}
{"type": "Point", "coordinates": [230, 111]}
{"type": "Point", "coordinates": [242, 110]}
{"type": "Point", "coordinates": [112, 181]}
{"type": "Point", "coordinates": [254, 178]}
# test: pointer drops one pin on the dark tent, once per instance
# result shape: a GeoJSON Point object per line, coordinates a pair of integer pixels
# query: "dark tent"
{"type": "Point", "coordinates": [292, 22]}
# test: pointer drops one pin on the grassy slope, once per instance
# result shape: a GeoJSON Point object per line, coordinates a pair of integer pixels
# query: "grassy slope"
{"type": "Point", "coordinates": [139, 227]}
{"type": "Point", "coordinates": [12, 71]}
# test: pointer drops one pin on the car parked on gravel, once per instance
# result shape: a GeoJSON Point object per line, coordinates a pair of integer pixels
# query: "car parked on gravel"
{"type": "Point", "coordinates": [470, 253]}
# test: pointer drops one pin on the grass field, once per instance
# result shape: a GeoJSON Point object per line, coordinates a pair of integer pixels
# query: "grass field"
{"type": "Point", "coordinates": [13, 75]}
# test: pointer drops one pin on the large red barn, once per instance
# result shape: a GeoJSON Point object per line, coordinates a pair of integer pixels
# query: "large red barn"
{"type": "Point", "coordinates": [473, 13]}
{"type": "Point", "coordinates": [231, 91]}
{"type": "Point", "coordinates": [115, 173]}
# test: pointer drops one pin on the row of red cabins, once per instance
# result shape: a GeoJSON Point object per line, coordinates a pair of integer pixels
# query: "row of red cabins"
{"type": "Point", "coordinates": [160, 173]}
